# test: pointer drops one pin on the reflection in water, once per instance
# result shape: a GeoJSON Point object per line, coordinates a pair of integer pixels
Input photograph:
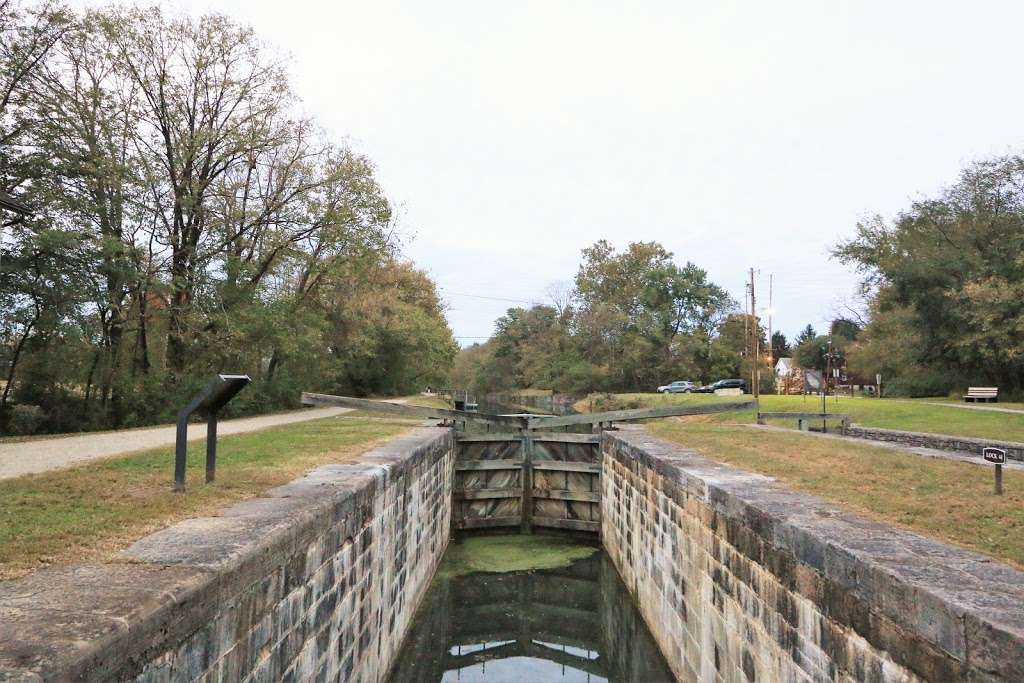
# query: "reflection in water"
{"type": "Point", "coordinates": [575, 623]}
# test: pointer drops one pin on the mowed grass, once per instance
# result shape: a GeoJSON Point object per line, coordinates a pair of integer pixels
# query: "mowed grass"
{"type": "Point", "coordinates": [945, 500]}
{"type": "Point", "coordinates": [910, 415]}
{"type": "Point", "coordinates": [947, 400]}
{"type": "Point", "coordinates": [425, 401]}
{"type": "Point", "coordinates": [95, 510]}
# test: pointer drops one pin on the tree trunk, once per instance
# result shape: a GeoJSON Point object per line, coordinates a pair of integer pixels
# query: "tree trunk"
{"type": "Point", "coordinates": [111, 387]}
{"type": "Point", "coordinates": [140, 362]}
{"type": "Point", "coordinates": [16, 357]}
{"type": "Point", "coordinates": [88, 380]}
{"type": "Point", "coordinates": [181, 299]}
{"type": "Point", "coordinates": [176, 346]}
{"type": "Point", "coordinates": [275, 362]}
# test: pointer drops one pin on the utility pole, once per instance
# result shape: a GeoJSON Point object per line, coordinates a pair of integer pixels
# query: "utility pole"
{"type": "Point", "coordinates": [746, 324]}
{"type": "Point", "coordinates": [824, 385]}
{"type": "Point", "coordinates": [755, 373]}
{"type": "Point", "coordinates": [771, 347]}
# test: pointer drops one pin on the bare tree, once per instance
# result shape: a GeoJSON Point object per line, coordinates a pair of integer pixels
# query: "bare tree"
{"type": "Point", "coordinates": [26, 37]}
{"type": "Point", "coordinates": [560, 294]}
{"type": "Point", "coordinates": [208, 91]}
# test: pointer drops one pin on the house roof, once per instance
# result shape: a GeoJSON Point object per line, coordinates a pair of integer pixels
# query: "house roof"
{"type": "Point", "coordinates": [785, 364]}
{"type": "Point", "coordinates": [9, 203]}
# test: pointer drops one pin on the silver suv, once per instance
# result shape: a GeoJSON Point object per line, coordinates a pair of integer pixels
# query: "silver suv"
{"type": "Point", "coordinates": [677, 387]}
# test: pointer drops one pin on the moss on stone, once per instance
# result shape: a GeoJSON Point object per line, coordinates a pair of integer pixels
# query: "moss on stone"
{"type": "Point", "coordinates": [497, 554]}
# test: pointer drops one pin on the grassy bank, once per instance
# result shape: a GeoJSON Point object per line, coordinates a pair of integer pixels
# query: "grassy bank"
{"type": "Point", "coordinates": [945, 500]}
{"type": "Point", "coordinates": [912, 415]}
{"type": "Point", "coordinates": [95, 510]}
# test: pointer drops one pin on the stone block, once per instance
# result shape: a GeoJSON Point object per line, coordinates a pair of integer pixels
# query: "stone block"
{"type": "Point", "coordinates": [276, 587]}
{"type": "Point", "coordinates": [809, 591]}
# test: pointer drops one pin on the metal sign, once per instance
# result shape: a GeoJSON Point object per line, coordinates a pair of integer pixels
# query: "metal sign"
{"type": "Point", "coordinates": [211, 399]}
{"type": "Point", "coordinates": [996, 456]}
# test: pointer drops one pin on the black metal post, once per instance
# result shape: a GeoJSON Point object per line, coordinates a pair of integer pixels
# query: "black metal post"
{"type": "Point", "coordinates": [180, 451]}
{"type": "Point", "coordinates": [211, 446]}
{"type": "Point", "coordinates": [209, 401]}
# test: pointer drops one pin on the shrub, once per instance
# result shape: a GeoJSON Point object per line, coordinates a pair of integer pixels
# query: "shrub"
{"type": "Point", "coordinates": [25, 419]}
{"type": "Point", "coordinates": [603, 402]}
{"type": "Point", "coordinates": [921, 385]}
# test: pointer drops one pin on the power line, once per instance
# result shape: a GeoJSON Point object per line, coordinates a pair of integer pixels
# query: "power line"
{"type": "Point", "coordinates": [491, 298]}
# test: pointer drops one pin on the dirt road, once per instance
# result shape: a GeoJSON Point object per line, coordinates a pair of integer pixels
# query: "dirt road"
{"type": "Point", "coordinates": [41, 455]}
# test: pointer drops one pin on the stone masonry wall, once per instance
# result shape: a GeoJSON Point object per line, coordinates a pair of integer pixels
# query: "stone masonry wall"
{"type": "Point", "coordinates": [316, 581]}
{"type": "Point", "coordinates": [942, 442]}
{"type": "Point", "coordinates": [742, 580]}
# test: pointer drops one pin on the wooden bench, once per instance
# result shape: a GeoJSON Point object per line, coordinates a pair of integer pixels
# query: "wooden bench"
{"type": "Point", "coordinates": [982, 394]}
{"type": "Point", "coordinates": [804, 420]}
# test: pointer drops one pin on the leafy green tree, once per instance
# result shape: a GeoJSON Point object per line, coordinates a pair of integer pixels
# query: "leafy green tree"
{"type": "Point", "coordinates": [643, 317]}
{"type": "Point", "coordinates": [806, 335]}
{"type": "Point", "coordinates": [846, 329]}
{"type": "Point", "coordinates": [209, 97]}
{"type": "Point", "coordinates": [39, 296]}
{"type": "Point", "coordinates": [731, 350]}
{"type": "Point", "coordinates": [952, 264]}
{"type": "Point", "coordinates": [634, 320]}
{"type": "Point", "coordinates": [780, 346]}
{"type": "Point", "coordinates": [612, 322]}
{"type": "Point", "coordinates": [390, 338]}
{"type": "Point", "coordinates": [686, 309]}
{"type": "Point", "coordinates": [27, 35]}
{"type": "Point", "coordinates": [889, 344]}
{"type": "Point", "coordinates": [88, 181]}
{"type": "Point", "coordinates": [189, 220]}
{"type": "Point", "coordinates": [814, 353]}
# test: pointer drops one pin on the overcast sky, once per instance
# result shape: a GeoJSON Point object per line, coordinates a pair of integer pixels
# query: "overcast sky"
{"type": "Point", "coordinates": [738, 134]}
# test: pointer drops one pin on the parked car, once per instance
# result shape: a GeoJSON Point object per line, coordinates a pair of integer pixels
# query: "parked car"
{"type": "Point", "coordinates": [678, 387]}
{"type": "Point", "coordinates": [740, 384]}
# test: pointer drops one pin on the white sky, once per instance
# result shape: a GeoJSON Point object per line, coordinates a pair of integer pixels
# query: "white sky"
{"type": "Point", "coordinates": [738, 134]}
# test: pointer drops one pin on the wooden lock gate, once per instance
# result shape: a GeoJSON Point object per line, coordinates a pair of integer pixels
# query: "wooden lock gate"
{"type": "Point", "coordinates": [521, 472]}
{"type": "Point", "coordinates": [528, 479]}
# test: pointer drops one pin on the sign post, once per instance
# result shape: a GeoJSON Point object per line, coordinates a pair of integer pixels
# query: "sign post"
{"type": "Point", "coordinates": [996, 456]}
{"type": "Point", "coordinates": [217, 393]}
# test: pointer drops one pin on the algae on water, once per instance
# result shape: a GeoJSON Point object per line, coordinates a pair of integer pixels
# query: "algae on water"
{"type": "Point", "coordinates": [512, 554]}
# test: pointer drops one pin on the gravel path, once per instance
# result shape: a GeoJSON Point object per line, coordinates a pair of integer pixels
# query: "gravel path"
{"type": "Point", "coordinates": [971, 406]}
{"type": "Point", "coordinates": [41, 455]}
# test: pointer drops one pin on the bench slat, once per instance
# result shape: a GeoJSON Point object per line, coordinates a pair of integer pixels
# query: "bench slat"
{"type": "Point", "coordinates": [981, 394]}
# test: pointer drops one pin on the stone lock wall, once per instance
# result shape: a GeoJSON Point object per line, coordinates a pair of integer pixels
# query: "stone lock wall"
{"type": "Point", "coordinates": [741, 580]}
{"type": "Point", "coordinates": [318, 580]}
{"type": "Point", "coordinates": [737, 579]}
{"type": "Point", "coordinates": [942, 442]}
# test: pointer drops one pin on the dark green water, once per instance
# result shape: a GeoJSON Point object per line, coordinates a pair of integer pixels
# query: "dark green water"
{"type": "Point", "coordinates": [574, 623]}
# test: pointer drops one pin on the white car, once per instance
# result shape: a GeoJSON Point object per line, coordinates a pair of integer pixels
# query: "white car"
{"type": "Point", "coordinates": [677, 387]}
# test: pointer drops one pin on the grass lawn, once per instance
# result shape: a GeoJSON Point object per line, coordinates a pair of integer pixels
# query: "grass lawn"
{"type": "Point", "coordinates": [424, 401]}
{"type": "Point", "coordinates": [912, 415]}
{"type": "Point", "coordinates": [945, 500]}
{"type": "Point", "coordinates": [95, 510]}
{"type": "Point", "coordinates": [1013, 405]}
